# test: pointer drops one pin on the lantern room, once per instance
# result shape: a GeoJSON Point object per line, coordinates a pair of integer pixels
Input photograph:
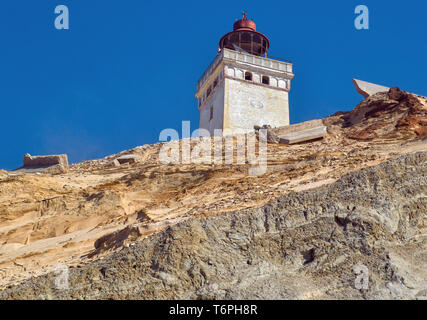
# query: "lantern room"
{"type": "Point", "coordinates": [245, 38]}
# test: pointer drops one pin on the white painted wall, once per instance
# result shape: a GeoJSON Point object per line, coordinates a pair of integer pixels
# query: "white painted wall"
{"type": "Point", "coordinates": [248, 104]}
{"type": "Point", "coordinates": [217, 100]}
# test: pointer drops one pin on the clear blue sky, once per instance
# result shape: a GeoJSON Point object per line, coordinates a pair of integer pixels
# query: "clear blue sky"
{"type": "Point", "coordinates": [128, 69]}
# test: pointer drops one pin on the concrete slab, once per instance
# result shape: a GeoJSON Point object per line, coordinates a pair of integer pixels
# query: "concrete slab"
{"type": "Point", "coordinates": [367, 89]}
{"type": "Point", "coordinates": [303, 136]}
{"type": "Point", "coordinates": [297, 127]}
{"type": "Point", "coordinates": [49, 164]}
{"type": "Point", "coordinates": [49, 160]}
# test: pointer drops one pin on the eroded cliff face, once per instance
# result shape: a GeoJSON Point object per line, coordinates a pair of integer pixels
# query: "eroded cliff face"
{"type": "Point", "coordinates": [147, 230]}
{"type": "Point", "coordinates": [300, 245]}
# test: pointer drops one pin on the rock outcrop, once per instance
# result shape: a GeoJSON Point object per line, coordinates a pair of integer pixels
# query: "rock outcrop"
{"type": "Point", "coordinates": [388, 115]}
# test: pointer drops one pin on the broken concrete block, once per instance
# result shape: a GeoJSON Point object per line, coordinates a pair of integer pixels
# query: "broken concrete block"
{"type": "Point", "coordinates": [300, 132]}
{"type": "Point", "coordinates": [44, 161]}
{"type": "Point", "coordinates": [129, 158]}
{"type": "Point", "coordinates": [311, 124]}
{"type": "Point", "coordinates": [51, 164]}
{"type": "Point", "coordinates": [367, 89]}
{"type": "Point", "coordinates": [303, 136]}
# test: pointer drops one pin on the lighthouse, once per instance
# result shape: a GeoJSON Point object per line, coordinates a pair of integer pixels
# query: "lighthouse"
{"type": "Point", "coordinates": [243, 87]}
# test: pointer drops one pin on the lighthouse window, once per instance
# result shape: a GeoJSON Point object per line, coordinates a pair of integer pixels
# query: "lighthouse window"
{"type": "Point", "coordinates": [248, 76]}
{"type": "Point", "coordinates": [265, 80]}
{"type": "Point", "coordinates": [211, 113]}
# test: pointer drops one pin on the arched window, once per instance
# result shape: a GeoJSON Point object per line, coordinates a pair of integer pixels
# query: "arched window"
{"type": "Point", "coordinates": [248, 76]}
{"type": "Point", "coordinates": [211, 112]}
{"type": "Point", "coordinates": [265, 80]}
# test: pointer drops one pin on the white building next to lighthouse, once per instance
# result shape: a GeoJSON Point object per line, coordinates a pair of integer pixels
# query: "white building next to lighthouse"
{"type": "Point", "coordinates": [243, 87]}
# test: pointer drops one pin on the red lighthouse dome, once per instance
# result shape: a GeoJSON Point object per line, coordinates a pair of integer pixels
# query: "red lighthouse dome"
{"type": "Point", "coordinates": [245, 38]}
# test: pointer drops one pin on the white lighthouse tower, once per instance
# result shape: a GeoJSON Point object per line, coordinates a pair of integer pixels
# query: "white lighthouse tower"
{"type": "Point", "coordinates": [243, 87]}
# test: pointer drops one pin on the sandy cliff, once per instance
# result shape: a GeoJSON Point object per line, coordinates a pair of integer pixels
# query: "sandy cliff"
{"type": "Point", "coordinates": [147, 230]}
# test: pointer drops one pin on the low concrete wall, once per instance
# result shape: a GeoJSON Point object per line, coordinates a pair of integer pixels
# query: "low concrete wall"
{"type": "Point", "coordinates": [44, 161]}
